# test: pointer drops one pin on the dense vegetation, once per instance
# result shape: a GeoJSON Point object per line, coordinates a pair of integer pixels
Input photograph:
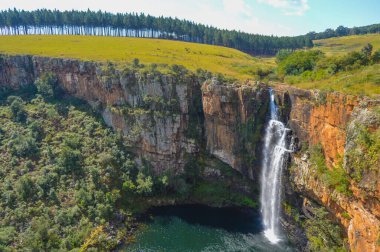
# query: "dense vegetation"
{"type": "Point", "coordinates": [139, 25]}
{"type": "Point", "coordinates": [323, 234]}
{"type": "Point", "coordinates": [363, 158]}
{"type": "Point", "coordinates": [68, 182]}
{"type": "Point", "coordinates": [62, 175]}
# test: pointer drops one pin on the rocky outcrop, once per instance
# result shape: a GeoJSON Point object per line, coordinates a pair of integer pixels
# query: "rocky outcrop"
{"type": "Point", "coordinates": [161, 115]}
{"type": "Point", "coordinates": [331, 120]}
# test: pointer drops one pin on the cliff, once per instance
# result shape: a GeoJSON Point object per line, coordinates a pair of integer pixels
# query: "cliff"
{"type": "Point", "coordinates": [334, 122]}
{"type": "Point", "coordinates": [162, 115]}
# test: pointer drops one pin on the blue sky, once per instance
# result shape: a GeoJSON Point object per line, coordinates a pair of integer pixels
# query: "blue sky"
{"type": "Point", "coordinates": [278, 17]}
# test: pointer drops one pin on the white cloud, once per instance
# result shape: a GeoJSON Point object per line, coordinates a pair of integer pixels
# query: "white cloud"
{"type": "Point", "coordinates": [289, 7]}
{"type": "Point", "coordinates": [237, 7]}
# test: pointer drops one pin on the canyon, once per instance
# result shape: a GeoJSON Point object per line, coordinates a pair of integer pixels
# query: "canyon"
{"type": "Point", "coordinates": [171, 119]}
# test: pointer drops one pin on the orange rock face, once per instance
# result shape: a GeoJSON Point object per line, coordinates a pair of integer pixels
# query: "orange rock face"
{"type": "Point", "coordinates": [328, 123]}
{"type": "Point", "coordinates": [318, 118]}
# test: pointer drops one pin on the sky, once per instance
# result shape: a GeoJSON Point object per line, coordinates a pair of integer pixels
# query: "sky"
{"type": "Point", "coordinates": [270, 17]}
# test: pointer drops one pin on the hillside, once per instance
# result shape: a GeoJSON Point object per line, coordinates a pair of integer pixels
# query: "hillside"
{"type": "Point", "coordinates": [347, 65]}
{"type": "Point", "coordinates": [215, 59]}
{"type": "Point", "coordinates": [342, 45]}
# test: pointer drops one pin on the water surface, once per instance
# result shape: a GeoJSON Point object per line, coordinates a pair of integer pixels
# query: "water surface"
{"type": "Point", "coordinates": [197, 228]}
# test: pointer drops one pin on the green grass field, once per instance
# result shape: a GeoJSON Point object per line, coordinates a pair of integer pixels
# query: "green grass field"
{"type": "Point", "coordinates": [342, 45]}
{"type": "Point", "coordinates": [215, 59]}
{"type": "Point", "coordinates": [363, 81]}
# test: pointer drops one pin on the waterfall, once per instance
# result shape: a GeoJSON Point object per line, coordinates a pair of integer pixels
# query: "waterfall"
{"type": "Point", "coordinates": [274, 154]}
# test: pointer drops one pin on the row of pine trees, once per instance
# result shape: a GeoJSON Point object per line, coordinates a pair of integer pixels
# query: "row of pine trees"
{"type": "Point", "coordinates": [43, 21]}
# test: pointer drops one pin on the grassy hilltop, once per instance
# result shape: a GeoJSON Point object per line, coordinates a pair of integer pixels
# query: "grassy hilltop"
{"type": "Point", "coordinates": [342, 45]}
{"type": "Point", "coordinates": [346, 64]}
{"type": "Point", "coordinates": [216, 59]}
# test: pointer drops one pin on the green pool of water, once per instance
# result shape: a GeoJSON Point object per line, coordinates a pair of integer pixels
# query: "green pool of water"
{"type": "Point", "coordinates": [202, 229]}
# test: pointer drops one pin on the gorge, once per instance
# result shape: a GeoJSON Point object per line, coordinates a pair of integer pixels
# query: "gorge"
{"type": "Point", "coordinates": [181, 123]}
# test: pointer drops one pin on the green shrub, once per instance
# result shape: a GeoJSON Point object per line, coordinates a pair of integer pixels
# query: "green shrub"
{"type": "Point", "coordinates": [282, 54]}
{"type": "Point", "coordinates": [365, 156]}
{"type": "Point", "coordinates": [336, 177]}
{"type": "Point", "coordinates": [299, 62]}
{"type": "Point", "coordinates": [23, 145]}
{"type": "Point", "coordinates": [47, 85]}
{"type": "Point", "coordinates": [376, 57]}
{"type": "Point", "coordinates": [17, 107]}
{"type": "Point", "coordinates": [322, 233]}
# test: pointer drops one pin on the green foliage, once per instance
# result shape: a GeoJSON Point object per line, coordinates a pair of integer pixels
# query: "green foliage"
{"type": "Point", "coordinates": [7, 234]}
{"type": "Point", "coordinates": [365, 156]}
{"type": "Point", "coordinates": [144, 184]}
{"type": "Point", "coordinates": [376, 57]}
{"type": "Point", "coordinates": [336, 177]}
{"type": "Point", "coordinates": [283, 54]}
{"type": "Point", "coordinates": [313, 70]}
{"type": "Point", "coordinates": [23, 145]}
{"type": "Point", "coordinates": [136, 62]}
{"type": "Point", "coordinates": [317, 158]}
{"type": "Point", "coordinates": [298, 62]}
{"type": "Point", "coordinates": [41, 236]}
{"type": "Point", "coordinates": [47, 85]}
{"type": "Point", "coordinates": [367, 50]}
{"type": "Point", "coordinates": [346, 215]}
{"type": "Point", "coordinates": [61, 176]}
{"type": "Point", "coordinates": [16, 105]}
{"type": "Point", "coordinates": [322, 233]}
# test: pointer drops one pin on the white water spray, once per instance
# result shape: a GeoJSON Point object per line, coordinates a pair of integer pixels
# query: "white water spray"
{"type": "Point", "coordinates": [274, 154]}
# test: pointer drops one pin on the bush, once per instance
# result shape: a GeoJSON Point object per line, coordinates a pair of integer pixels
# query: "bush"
{"type": "Point", "coordinates": [283, 54]}
{"type": "Point", "coordinates": [336, 178]}
{"type": "Point", "coordinates": [17, 108]}
{"type": "Point", "coordinates": [47, 85]}
{"type": "Point", "coordinates": [322, 233]}
{"type": "Point", "coordinates": [69, 159]}
{"type": "Point", "coordinates": [23, 146]}
{"type": "Point", "coordinates": [25, 188]}
{"type": "Point", "coordinates": [299, 62]}
{"type": "Point", "coordinates": [376, 57]}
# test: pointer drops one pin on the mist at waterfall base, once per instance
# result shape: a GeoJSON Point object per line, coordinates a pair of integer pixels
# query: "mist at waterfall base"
{"type": "Point", "coordinates": [274, 154]}
{"type": "Point", "coordinates": [196, 228]}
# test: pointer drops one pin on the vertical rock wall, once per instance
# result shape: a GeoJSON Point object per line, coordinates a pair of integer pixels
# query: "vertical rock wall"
{"type": "Point", "coordinates": [331, 120]}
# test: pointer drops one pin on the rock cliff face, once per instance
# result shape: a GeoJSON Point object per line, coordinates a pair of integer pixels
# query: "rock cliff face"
{"type": "Point", "coordinates": [234, 119]}
{"type": "Point", "coordinates": [332, 120]}
{"type": "Point", "coordinates": [161, 115]}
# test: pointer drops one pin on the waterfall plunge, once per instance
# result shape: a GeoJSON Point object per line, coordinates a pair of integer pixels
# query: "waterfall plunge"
{"type": "Point", "coordinates": [274, 154]}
